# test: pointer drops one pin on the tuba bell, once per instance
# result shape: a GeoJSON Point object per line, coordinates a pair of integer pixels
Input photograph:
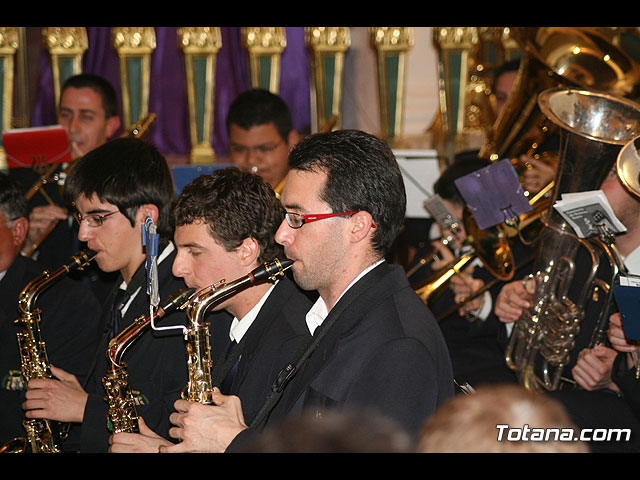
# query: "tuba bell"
{"type": "Point", "coordinates": [555, 57]}
{"type": "Point", "coordinates": [593, 128]}
{"type": "Point", "coordinates": [628, 166]}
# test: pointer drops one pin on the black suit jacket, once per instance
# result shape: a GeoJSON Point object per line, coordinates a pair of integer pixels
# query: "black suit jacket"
{"type": "Point", "coordinates": [476, 352]}
{"type": "Point", "coordinates": [271, 341]}
{"type": "Point", "coordinates": [69, 319]}
{"type": "Point", "coordinates": [385, 353]}
{"type": "Point", "coordinates": [156, 364]}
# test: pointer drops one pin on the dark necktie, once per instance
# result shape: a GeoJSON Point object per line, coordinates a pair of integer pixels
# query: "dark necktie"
{"type": "Point", "coordinates": [121, 298]}
{"type": "Point", "coordinates": [231, 363]}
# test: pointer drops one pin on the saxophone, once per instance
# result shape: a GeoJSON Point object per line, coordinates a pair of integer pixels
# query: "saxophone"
{"type": "Point", "coordinates": [43, 435]}
{"type": "Point", "coordinates": [122, 415]}
{"type": "Point", "coordinates": [199, 387]}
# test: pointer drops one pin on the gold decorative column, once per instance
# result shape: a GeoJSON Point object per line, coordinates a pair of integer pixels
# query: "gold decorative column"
{"type": "Point", "coordinates": [8, 48]}
{"type": "Point", "coordinates": [66, 46]}
{"type": "Point", "coordinates": [391, 45]}
{"type": "Point", "coordinates": [327, 46]}
{"type": "Point", "coordinates": [265, 46]}
{"type": "Point", "coordinates": [466, 56]}
{"type": "Point", "coordinates": [200, 46]}
{"type": "Point", "coordinates": [134, 46]}
{"type": "Point", "coordinates": [512, 49]}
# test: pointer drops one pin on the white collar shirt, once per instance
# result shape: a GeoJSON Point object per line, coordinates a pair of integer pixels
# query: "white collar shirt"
{"type": "Point", "coordinates": [319, 311]}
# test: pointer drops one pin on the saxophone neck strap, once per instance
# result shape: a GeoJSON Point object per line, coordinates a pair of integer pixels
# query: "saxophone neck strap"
{"type": "Point", "coordinates": [287, 373]}
{"type": "Point", "coordinates": [231, 356]}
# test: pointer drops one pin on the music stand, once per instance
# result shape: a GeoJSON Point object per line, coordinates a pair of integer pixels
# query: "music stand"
{"type": "Point", "coordinates": [494, 194]}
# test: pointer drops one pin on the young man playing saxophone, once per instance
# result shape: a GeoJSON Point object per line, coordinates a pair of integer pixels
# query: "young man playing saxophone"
{"type": "Point", "coordinates": [69, 341]}
{"type": "Point", "coordinates": [383, 352]}
{"type": "Point", "coordinates": [113, 189]}
{"type": "Point", "coordinates": [224, 228]}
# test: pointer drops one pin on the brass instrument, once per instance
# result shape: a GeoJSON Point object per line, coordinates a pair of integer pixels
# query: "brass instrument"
{"type": "Point", "coordinates": [43, 435]}
{"type": "Point", "coordinates": [280, 187]}
{"type": "Point", "coordinates": [122, 415]}
{"type": "Point", "coordinates": [199, 387]}
{"type": "Point", "coordinates": [569, 57]}
{"type": "Point", "coordinates": [140, 128]}
{"type": "Point", "coordinates": [594, 126]}
{"type": "Point", "coordinates": [628, 169]}
{"type": "Point", "coordinates": [137, 130]}
{"type": "Point", "coordinates": [490, 246]}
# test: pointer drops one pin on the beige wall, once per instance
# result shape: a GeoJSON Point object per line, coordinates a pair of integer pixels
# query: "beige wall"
{"type": "Point", "coordinates": [360, 95]}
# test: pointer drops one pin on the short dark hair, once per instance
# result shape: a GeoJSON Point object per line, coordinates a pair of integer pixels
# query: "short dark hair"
{"type": "Point", "coordinates": [362, 174]}
{"type": "Point", "coordinates": [508, 66]}
{"type": "Point", "coordinates": [128, 173]}
{"type": "Point", "coordinates": [259, 107]}
{"type": "Point", "coordinates": [99, 85]}
{"type": "Point", "coordinates": [13, 203]}
{"type": "Point", "coordinates": [463, 165]}
{"type": "Point", "coordinates": [235, 205]}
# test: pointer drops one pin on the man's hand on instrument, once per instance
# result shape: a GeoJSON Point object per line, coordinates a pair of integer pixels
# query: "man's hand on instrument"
{"type": "Point", "coordinates": [40, 219]}
{"type": "Point", "coordinates": [593, 368]}
{"type": "Point", "coordinates": [62, 398]}
{"type": "Point", "coordinates": [147, 441]}
{"type": "Point", "coordinates": [513, 299]}
{"type": "Point", "coordinates": [206, 428]}
{"type": "Point", "coordinates": [463, 286]}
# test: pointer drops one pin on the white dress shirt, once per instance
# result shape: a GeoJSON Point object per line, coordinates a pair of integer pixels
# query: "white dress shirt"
{"type": "Point", "coordinates": [240, 326]}
{"type": "Point", "coordinates": [319, 311]}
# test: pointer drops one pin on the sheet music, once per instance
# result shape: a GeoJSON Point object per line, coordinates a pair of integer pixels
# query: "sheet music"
{"type": "Point", "coordinates": [586, 211]}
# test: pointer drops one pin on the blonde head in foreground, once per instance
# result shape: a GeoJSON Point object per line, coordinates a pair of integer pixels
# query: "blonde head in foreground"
{"type": "Point", "coordinates": [468, 423]}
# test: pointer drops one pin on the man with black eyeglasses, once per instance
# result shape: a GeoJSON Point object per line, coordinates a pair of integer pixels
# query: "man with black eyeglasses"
{"type": "Point", "coordinates": [261, 134]}
{"type": "Point", "coordinates": [69, 340]}
{"type": "Point", "coordinates": [375, 346]}
{"type": "Point", "coordinates": [113, 189]}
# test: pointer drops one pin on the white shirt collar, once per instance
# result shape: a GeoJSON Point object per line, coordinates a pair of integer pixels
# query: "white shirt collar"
{"type": "Point", "coordinates": [319, 311]}
{"type": "Point", "coordinates": [123, 286]}
{"type": "Point", "coordinates": [632, 261]}
{"type": "Point", "coordinates": [240, 326]}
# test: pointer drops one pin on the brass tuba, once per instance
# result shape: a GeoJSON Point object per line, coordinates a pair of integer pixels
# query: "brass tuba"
{"type": "Point", "coordinates": [43, 435]}
{"type": "Point", "coordinates": [199, 386]}
{"type": "Point", "coordinates": [594, 126]}
{"type": "Point", "coordinates": [121, 414]}
{"type": "Point", "coordinates": [555, 57]}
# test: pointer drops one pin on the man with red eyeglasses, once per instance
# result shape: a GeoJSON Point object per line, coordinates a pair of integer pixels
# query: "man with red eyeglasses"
{"type": "Point", "coordinates": [375, 346]}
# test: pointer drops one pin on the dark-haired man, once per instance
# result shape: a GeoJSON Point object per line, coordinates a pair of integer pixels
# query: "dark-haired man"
{"type": "Point", "coordinates": [225, 227]}
{"type": "Point", "coordinates": [69, 339]}
{"type": "Point", "coordinates": [88, 111]}
{"type": "Point", "coordinates": [261, 133]}
{"type": "Point", "coordinates": [111, 205]}
{"type": "Point", "coordinates": [378, 347]}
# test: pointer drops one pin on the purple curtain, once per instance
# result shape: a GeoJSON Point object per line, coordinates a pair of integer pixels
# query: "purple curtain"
{"type": "Point", "coordinates": [167, 93]}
